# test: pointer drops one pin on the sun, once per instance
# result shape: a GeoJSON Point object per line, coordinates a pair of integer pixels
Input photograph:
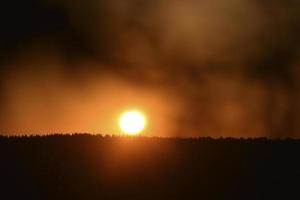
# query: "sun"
{"type": "Point", "coordinates": [132, 122]}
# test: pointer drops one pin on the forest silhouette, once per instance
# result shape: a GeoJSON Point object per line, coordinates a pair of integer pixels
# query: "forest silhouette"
{"type": "Point", "coordinates": [108, 167]}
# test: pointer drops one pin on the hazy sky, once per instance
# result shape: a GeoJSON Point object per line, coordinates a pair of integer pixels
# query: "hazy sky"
{"type": "Point", "coordinates": [196, 68]}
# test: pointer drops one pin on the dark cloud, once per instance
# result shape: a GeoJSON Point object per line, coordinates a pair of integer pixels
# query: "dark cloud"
{"type": "Point", "coordinates": [231, 65]}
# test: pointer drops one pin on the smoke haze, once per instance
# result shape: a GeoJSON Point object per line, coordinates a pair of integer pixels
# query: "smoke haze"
{"type": "Point", "coordinates": [197, 68]}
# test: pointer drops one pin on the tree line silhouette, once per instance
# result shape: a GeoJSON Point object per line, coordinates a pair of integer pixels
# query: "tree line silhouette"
{"type": "Point", "coordinates": [106, 167]}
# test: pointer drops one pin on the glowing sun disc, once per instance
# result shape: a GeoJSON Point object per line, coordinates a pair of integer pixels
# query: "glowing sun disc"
{"type": "Point", "coordinates": [132, 122]}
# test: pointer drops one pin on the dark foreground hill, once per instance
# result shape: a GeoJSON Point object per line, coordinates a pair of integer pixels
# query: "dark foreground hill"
{"type": "Point", "coordinates": [96, 167]}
